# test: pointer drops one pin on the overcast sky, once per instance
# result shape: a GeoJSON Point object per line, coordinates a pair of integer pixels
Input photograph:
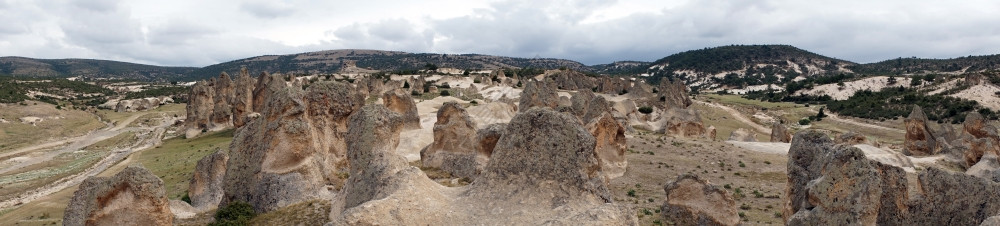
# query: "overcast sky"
{"type": "Point", "coordinates": [200, 33]}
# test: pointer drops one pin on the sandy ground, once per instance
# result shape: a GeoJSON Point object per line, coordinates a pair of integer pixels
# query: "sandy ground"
{"type": "Point", "coordinates": [984, 94]}
{"type": "Point", "coordinates": [876, 83]}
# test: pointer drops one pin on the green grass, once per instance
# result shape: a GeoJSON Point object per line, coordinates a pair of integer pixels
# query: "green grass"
{"type": "Point", "coordinates": [175, 159]}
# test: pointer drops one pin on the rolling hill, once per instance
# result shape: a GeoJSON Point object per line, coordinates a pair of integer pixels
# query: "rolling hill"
{"type": "Point", "coordinates": [41, 68]}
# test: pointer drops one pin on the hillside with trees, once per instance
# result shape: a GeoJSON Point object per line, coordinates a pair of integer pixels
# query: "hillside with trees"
{"type": "Point", "coordinates": [88, 68]}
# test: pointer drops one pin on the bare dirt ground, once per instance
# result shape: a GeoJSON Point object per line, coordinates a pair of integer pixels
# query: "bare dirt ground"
{"type": "Point", "coordinates": [738, 116]}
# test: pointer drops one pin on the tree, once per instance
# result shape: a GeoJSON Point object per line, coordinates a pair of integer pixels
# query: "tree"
{"type": "Point", "coordinates": [645, 110]}
{"type": "Point", "coordinates": [430, 66]}
{"type": "Point", "coordinates": [406, 85]}
{"type": "Point", "coordinates": [820, 115]}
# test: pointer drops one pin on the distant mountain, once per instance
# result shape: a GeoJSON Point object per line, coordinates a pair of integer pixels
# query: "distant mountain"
{"type": "Point", "coordinates": [331, 61]}
{"type": "Point", "coordinates": [744, 65]}
{"type": "Point", "coordinates": [734, 66]}
{"type": "Point", "coordinates": [900, 66]}
{"type": "Point", "coordinates": [40, 68]}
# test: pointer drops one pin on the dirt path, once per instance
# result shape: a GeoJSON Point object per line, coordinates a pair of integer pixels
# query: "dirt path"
{"type": "Point", "coordinates": [852, 122]}
{"type": "Point", "coordinates": [85, 138]}
{"type": "Point", "coordinates": [112, 159]}
{"type": "Point", "coordinates": [738, 116]}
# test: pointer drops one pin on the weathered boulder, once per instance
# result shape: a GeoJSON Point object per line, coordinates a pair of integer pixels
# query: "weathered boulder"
{"type": "Point", "coordinates": [780, 134]}
{"type": "Point", "coordinates": [711, 133]}
{"type": "Point", "coordinates": [640, 90]}
{"type": "Point", "coordinates": [609, 85]}
{"type": "Point", "coordinates": [537, 94]}
{"type": "Point", "coordinates": [199, 109]}
{"type": "Point", "coordinates": [295, 151]}
{"type": "Point", "coordinates": [543, 166]}
{"type": "Point", "coordinates": [596, 107]}
{"type": "Point", "coordinates": [680, 122]}
{"type": "Point", "coordinates": [400, 101]}
{"type": "Point", "coordinates": [487, 138]}
{"type": "Point", "coordinates": [611, 145]}
{"type": "Point", "coordinates": [836, 184]}
{"type": "Point", "coordinates": [266, 85]}
{"type": "Point", "coordinates": [693, 201]}
{"type": "Point", "coordinates": [242, 101]}
{"type": "Point", "coordinates": [205, 189]}
{"type": "Point", "coordinates": [992, 221]}
{"type": "Point", "coordinates": [743, 135]}
{"type": "Point", "coordinates": [852, 138]}
{"type": "Point", "coordinates": [572, 80]}
{"type": "Point", "coordinates": [919, 140]}
{"type": "Point", "coordinates": [580, 101]}
{"type": "Point", "coordinates": [454, 149]}
{"type": "Point", "coordinates": [673, 94]}
{"type": "Point", "coordinates": [988, 168]}
{"type": "Point", "coordinates": [133, 196]}
{"type": "Point", "coordinates": [222, 113]}
{"type": "Point", "coordinates": [947, 198]}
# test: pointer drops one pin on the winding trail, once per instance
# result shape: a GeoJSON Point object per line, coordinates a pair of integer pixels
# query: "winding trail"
{"type": "Point", "coordinates": [739, 116]}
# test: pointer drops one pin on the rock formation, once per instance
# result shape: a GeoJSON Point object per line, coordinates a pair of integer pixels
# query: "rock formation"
{"type": "Point", "coordinates": [712, 133]}
{"type": "Point", "coordinates": [266, 85]}
{"type": "Point", "coordinates": [611, 145]}
{"type": "Point", "coordinates": [205, 189]}
{"type": "Point", "coordinates": [852, 138]}
{"type": "Point", "coordinates": [572, 80]}
{"type": "Point", "coordinates": [837, 184]}
{"type": "Point", "coordinates": [133, 196]}
{"type": "Point", "coordinates": [242, 102]}
{"type": "Point", "coordinates": [454, 149]}
{"type": "Point", "coordinates": [400, 101]}
{"type": "Point", "coordinates": [918, 140]}
{"type": "Point", "coordinates": [295, 151]}
{"type": "Point", "coordinates": [693, 201]}
{"type": "Point", "coordinates": [681, 122]}
{"type": "Point", "coordinates": [199, 109]}
{"type": "Point", "coordinates": [543, 166]}
{"type": "Point", "coordinates": [830, 184]}
{"type": "Point", "coordinates": [537, 94]}
{"type": "Point", "coordinates": [673, 94]}
{"type": "Point", "coordinates": [487, 138]}
{"type": "Point", "coordinates": [640, 90]}
{"type": "Point", "coordinates": [580, 101]}
{"type": "Point", "coordinates": [780, 134]}
{"type": "Point", "coordinates": [222, 113]}
{"type": "Point", "coordinates": [987, 168]}
{"type": "Point", "coordinates": [743, 135]}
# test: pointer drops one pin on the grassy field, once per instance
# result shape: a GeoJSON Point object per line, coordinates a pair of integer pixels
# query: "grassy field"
{"type": "Point", "coordinates": [174, 161]}
{"type": "Point", "coordinates": [112, 116]}
{"type": "Point", "coordinates": [56, 124]}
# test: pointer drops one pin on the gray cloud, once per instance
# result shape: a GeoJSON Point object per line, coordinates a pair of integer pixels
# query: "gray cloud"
{"type": "Point", "coordinates": [592, 32]}
{"type": "Point", "coordinates": [267, 9]}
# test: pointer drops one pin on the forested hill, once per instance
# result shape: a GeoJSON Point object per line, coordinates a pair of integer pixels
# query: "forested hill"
{"type": "Point", "coordinates": [41, 68]}
{"type": "Point", "coordinates": [917, 65]}
{"type": "Point", "coordinates": [752, 62]}
{"type": "Point", "coordinates": [331, 62]}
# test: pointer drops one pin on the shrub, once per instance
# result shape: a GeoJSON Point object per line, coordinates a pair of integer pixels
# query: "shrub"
{"type": "Point", "coordinates": [445, 93]}
{"type": "Point", "coordinates": [414, 93]}
{"type": "Point", "coordinates": [804, 121]}
{"type": "Point", "coordinates": [186, 198]}
{"type": "Point", "coordinates": [646, 110]}
{"type": "Point", "coordinates": [631, 193]}
{"type": "Point", "coordinates": [236, 213]}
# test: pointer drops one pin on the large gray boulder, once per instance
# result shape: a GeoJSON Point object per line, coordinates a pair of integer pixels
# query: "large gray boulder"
{"type": "Point", "coordinates": [205, 189]}
{"type": "Point", "coordinates": [454, 149]}
{"type": "Point", "coordinates": [399, 101]}
{"type": "Point", "coordinates": [537, 94]}
{"type": "Point", "coordinates": [693, 201]}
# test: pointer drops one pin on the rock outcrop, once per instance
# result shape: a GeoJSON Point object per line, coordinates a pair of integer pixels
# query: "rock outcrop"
{"type": "Point", "coordinates": [743, 135]}
{"type": "Point", "coordinates": [673, 94]}
{"type": "Point", "coordinates": [266, 85]}
{"type": "Point", "coordinates": [537, 94]}
{"type": "Point", "coordinates": [693, 201]}
{"type": "Point", "coordinates": [199, 109]}
{"type": "Point", "coordinates": [919, 141]}
{"type": "Point", "coordinates": [454, 149]}
{"type": "Point", "coordinates": [988, 168]}
{"type": "Point", "coordinates": [400, 101]}
{"type": "Point", "coordinates": [295, 151]}
{"type": "Point", "coordinates": [133, 196]}
{"type": "Point", "coordinates": [205, 189]}
{"type": "Point", "coordinates": [837, 184]}
{"type": "Point", "coordinates": [543, 166]}
{"type": "Point", "coordinates": [242, 101]}
{"type": "Point", "coordinates": [852, 138]}
{"type": "Point", "coordinates": [487, 138]}
{"type": "Point", "coordinates": [572, 80]}
{"type": "Point", "coordinates": [780, 134]}
{"type": "Point", "coordinates": [830, 185]}
{"type": "Point", "coordinates": [680, 122]}
{"type": "Point", "coordinates": [611, 145]}
{"type": "Point", "coordinates": [222, 113]}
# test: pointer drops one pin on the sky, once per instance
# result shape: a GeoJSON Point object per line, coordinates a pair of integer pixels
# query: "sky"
{"type": "Point", "coordinates": [200, 33]}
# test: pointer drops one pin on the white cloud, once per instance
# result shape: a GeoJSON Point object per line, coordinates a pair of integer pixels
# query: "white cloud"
{"type": "Point", "coordinates": [198, 33]}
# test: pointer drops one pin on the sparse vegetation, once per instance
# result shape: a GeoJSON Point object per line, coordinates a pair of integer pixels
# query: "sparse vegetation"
{"type": "Point", "coordinates": [235, 213]}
